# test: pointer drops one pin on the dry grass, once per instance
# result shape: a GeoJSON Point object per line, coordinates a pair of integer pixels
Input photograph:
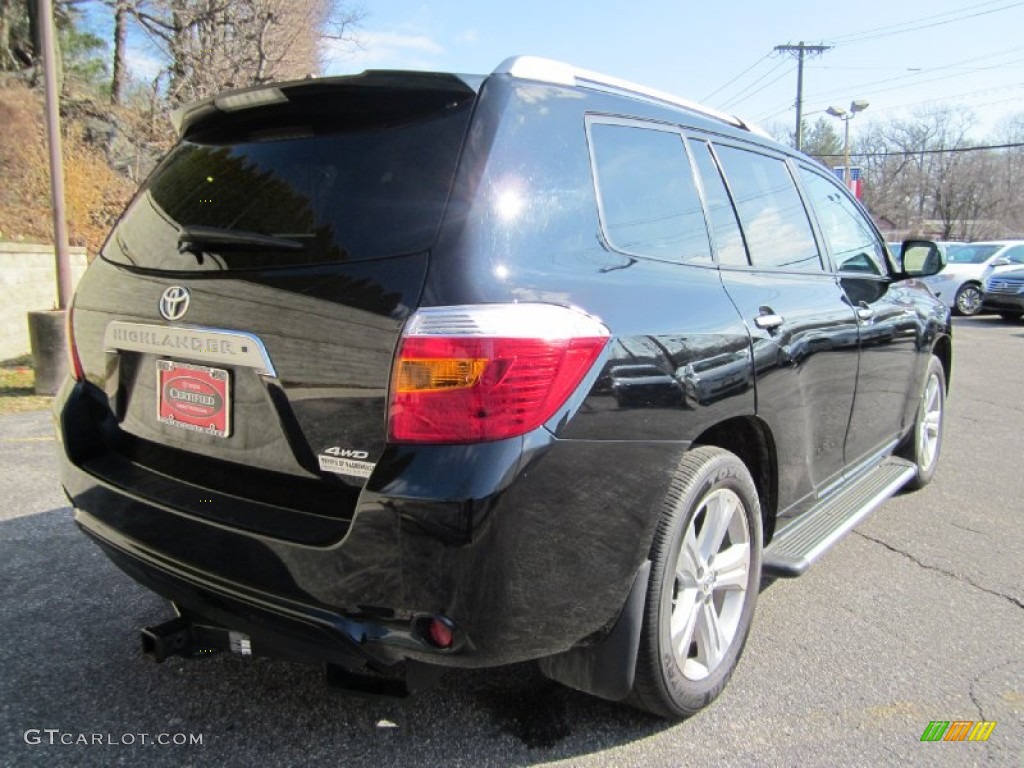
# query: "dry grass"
{"type": "Point", "coordinates": [94, 193]}
{"type": "Point", "coordinates": [17, 388]}
{"type": "Point", "coordinates": [24, 195]}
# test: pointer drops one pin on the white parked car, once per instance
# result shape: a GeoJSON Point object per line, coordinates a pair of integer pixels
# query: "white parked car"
{"type": "Point", "coordinates": [959, 284]}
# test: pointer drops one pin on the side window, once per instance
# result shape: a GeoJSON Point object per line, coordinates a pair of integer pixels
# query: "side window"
{"type": "Point", "coordinates": [775, 224]}
{"type": "Point", "coordinates": [647, 195]}
{"type": "Point", "coordinates": [850, 237]}
{"type": "Point", "coordinates": [722, 217]}
{"type": "Point", "coordinates": [1015, 255]}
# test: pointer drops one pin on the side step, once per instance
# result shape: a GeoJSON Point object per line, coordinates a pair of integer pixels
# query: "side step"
{"type": "Point", "coordinates": [796, 546]}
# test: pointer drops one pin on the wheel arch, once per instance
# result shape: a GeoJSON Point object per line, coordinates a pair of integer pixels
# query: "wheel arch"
{"type": "Point", "coordinates": [751, 440]}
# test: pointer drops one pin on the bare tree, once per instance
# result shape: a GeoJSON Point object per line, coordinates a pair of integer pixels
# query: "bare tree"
{"type": "Point", "coordinates": [210, 45]}
{"type": "Point", "coordinates": [1008, 173]}
{"type": "Point", "coordinates": [922, 175]}
{"type": "Point", "coordinates": [119, 76]}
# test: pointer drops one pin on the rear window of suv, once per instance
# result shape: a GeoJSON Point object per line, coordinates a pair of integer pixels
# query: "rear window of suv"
{"type": "Point", "coordinates": [356, 174]}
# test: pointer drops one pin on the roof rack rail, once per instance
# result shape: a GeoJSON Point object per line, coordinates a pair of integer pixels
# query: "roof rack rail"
{"type": "Point", "coordinates": [560, 73]}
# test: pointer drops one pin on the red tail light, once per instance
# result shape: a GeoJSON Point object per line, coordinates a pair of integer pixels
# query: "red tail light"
{"type": "Point", "coordinates": [74, 362]}
{"type": "Point", "coordinates": [470, 374]}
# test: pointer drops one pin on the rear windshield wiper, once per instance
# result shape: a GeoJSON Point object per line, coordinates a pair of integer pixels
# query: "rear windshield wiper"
{"type": "Point", "coordinates": [196, 239]}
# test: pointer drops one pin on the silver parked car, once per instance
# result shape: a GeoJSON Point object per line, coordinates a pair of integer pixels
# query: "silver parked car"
{"type": "Point", "coordinates": [959, 284]}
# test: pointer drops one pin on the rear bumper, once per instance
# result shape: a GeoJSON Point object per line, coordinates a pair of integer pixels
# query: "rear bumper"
{"type": "Point", "coordinates": [528, 546]}
{"type": "Point", "coordinates": [276, 626]}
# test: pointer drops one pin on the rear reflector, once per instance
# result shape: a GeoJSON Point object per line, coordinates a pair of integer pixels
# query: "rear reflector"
{"type": "Point", "coordinates": [441, 633]}
{"type": "Point", "coordinates": [470, 374]}
{"type": "Point", "coordinates": [74, 362]}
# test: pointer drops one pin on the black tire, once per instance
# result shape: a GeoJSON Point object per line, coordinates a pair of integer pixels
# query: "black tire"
{"type": "Point", "coordinates": [709, 481]}
{"type": "Point", "coordinates": [1011, 317]}
{"type": "Point", "coordinates": [924, 444]}
{"type": "Point", "coordinates": [968, 300]}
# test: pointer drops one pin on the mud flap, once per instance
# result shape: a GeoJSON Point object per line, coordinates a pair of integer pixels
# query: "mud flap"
{"type": "Point", "coordinates": [606, 669]}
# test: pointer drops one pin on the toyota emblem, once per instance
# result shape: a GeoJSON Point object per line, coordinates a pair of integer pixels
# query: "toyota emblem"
{"type": "Point", "coordinates": [174, 302]}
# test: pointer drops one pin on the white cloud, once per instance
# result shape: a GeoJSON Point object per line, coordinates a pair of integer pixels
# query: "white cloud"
{"type": "Point", "coordinates": [143, 65]}
{"type": "Point", "coordinates": [381, 50]}
{"type": "Point", "coordinates": [469, 36]}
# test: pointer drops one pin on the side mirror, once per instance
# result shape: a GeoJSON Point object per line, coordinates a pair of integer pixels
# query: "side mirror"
{"type": "Point", "coordinates": [922, 258]}
{"type": "Point", "coordinates": [1001, 262]}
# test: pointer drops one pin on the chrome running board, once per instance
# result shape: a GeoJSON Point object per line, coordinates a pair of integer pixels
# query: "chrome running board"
{"type": "Point", "coordinates": [795, 547]}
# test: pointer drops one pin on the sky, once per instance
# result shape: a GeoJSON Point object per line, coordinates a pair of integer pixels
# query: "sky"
{"type": "Point", "coordinates": [898, 56]}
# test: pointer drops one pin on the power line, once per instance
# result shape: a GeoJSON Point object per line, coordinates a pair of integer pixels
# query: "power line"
{"type": "Point", "coordinates": [924, 72]}
{"type": "Point", "coordinates": [707, 98]}
{"type": "Point", "coordinates": [916, 25]}
{"type": "Point", "coordinates": [954, 98]}
{"type": "Point", "coordinates": [904, 153]}
{"type": "Point", "coordinates": [914, 77]}
{"type": "Point", "coordinates": [742, 94]}
{"type": "Point", "coordinates": [902, 28]}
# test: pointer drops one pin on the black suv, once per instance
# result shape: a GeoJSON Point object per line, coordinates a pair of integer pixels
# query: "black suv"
{"type": "Point", "coordinates": [402, 371]}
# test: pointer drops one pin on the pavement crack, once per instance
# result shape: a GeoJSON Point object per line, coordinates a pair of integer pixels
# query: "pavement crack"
{"type": "Point", "coordinates": [966, 528]}
{"type": "Point", "coordinates": [974, 696]}
{"type": "Point", "coordinates": [1010, 598]}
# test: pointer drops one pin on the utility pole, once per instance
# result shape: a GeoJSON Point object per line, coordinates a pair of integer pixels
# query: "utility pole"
{"type": "Point", "coordinates": [801, 50]}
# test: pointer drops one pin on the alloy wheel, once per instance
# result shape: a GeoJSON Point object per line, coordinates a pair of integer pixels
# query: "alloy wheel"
{"type": "Point", "coordinates": [931, 425]}
{"type": "Point", "coordinates": [711, 578]}
{"type": "Point", "coordinates": [968, 300]}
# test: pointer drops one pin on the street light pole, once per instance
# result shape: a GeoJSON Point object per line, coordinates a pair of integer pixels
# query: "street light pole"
{"type": "Point", "coordinates": [857, 105]}
{"type": "Point", "coordinates": [846, 151]}
{"type": "Point", "coordinates": [46, 329]}
{"type": "Point", "coordinates": [47, 27]}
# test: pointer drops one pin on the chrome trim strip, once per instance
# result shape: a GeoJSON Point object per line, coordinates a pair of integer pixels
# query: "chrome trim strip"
{"type": "Point", "coordinates": [211, 345]}
{"type": "Point", "coordinates": [518, 321]}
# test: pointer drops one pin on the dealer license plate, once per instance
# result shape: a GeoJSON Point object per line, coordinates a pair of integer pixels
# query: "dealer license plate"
{"type": "Point", "coordinates": [194, 397]}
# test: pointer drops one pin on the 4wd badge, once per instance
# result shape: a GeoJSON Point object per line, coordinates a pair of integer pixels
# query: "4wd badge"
{"type": "Point", "coordinates": [345, 461]}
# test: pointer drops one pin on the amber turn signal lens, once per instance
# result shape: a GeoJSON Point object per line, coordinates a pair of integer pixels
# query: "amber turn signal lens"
{"type": "Point", "coordinates": [437, 375]}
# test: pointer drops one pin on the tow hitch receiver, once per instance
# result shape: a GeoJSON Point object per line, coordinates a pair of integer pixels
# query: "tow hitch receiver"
{"type": "Point", "coordinates": [182, 637]}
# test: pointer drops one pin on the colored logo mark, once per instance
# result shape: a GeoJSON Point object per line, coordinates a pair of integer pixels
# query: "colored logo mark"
{"type": "Point", "coordinates": [958, 730]}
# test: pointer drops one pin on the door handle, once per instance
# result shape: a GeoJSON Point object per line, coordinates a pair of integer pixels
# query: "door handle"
{"type": "Point", "coordinates": [768, 320]}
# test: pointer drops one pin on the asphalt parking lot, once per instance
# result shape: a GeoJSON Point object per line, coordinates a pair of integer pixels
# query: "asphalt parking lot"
{"type": "Point", "coordinates": [917, 616]}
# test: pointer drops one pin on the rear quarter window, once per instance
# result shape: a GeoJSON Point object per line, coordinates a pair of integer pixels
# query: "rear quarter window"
{"type": "Point", "coordinates": [647, 196]}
